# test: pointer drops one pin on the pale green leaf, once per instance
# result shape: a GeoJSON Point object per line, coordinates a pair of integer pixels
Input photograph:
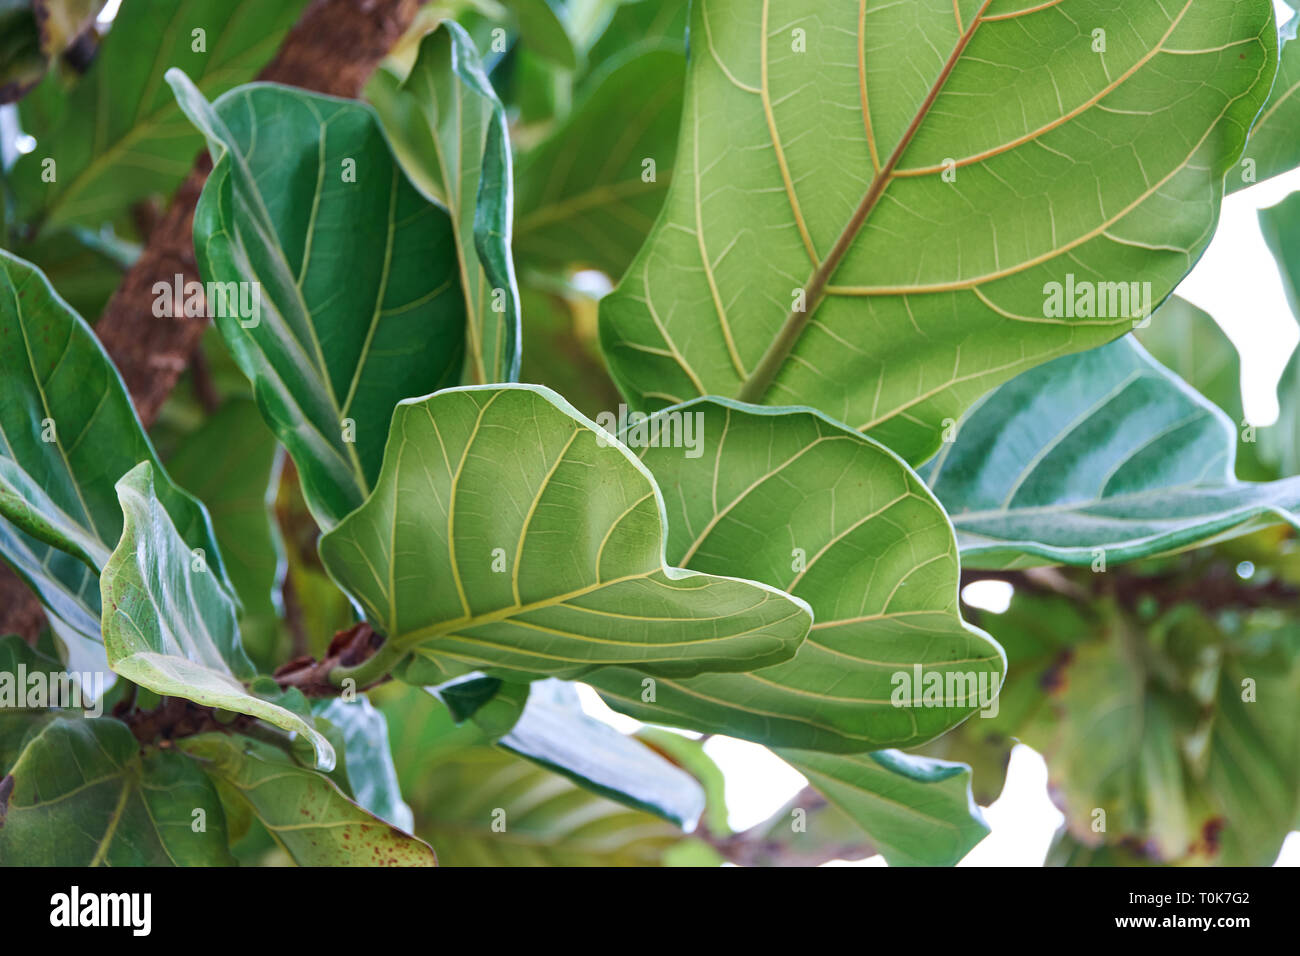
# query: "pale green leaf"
{"type": "Point", "coordinates": [169, 624]}
{"type": "Point", "coordinates": [812, 250]}
{"type": "Point", "coordinates": [794, 500]}
{"type": "Point", "coordinates": [508, 532]}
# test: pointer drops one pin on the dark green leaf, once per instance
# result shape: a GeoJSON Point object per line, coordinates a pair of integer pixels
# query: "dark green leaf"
{"type": "Point", "coordinates": [116, 136]}
{"type": "Point", "coordinates": [448, 129]}
{"type": "Point", "coordinates": [83, 794]}
{"type": "Point", "coordinates": [1095, 459]}
{"type": "Point", "coordinates": [355, 273]}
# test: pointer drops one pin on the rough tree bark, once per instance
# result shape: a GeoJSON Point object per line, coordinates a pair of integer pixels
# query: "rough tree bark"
{"type": "Point", "coordinates": [333, 48]}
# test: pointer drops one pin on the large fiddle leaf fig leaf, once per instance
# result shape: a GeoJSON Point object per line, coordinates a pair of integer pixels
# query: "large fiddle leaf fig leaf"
{"type": "Point", "coordinates": [794, 500]}
{"type": "Point", "coordinates": [508, 532]}
{"type": "Point", "coordinates": [872, 201]}
{"type": "Point", "coordinates": [1273, 147]}
{"type": "Point", "coordinates": [84, 794]}
{"type": "Point", "coordinates": [448, 129]}
{"type": "Point", "coordinates": [304, 811]}
{"type": "Point", "coordinates": [1098, 458]}
{"type": "Point", "coordinates": [593, 207]}
{"type": "Point", "coordinates": [170, 625]}
{"type": "Point", "coordinates": [116, 135]}
{"type": "Point", "coordinates": [359, 304]}
{"type": "Point", "coordinates": [68, 432]}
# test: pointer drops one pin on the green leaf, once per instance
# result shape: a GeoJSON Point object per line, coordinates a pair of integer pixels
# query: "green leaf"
{"type": "Point", "coordinates": [554, 732]}
{"type": "Point", "coordinates": [592, 207]}
{"type": "Point", "coordinates": [18, 662]}
{"type": "Point", "coordinates": [84, 267]}
{"type": "Point", "coordinates": [480, 805]}
{"type": "Point", "coordinates": [83, 794]}
{"type": "Point", "coordinates": [360, 305]}
{"type": "Point", "coordinates": [1273, 147]}
{"type": "Point", "coordinates": [915, 810]}
{"type": "Point", "coordinates": [794, 500]}
{"type": "Point", "coordinates": [68, 432]}
{"type": "Point", "coordinates": [812, 250]}
{"type": "Point", "coordinates": [1280, 444]}
{"type": "Point", "coordinates": [116, 136]}
{"type": "Point", "coordinates": [238, 487]}
{"type": "Point", "coordinates": [1100, 454]}
{"type": "Point", "coordinates": [508, 532]}
{"type": "Point", "coordinates": [170, 625]}
{"type": "Point", "coordinates": [543, 31]}
{"type": "Point", "coordinates": [448, 130]}
{"type": "Point", "coordinates": [370, 770]}
{"type": "Point", "coordinates": [304, 811]}
{"type": "Point", "coordinates": [1158, 728]}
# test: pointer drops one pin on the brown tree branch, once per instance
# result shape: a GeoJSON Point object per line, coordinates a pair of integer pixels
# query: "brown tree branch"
{"type": "Point", "coordinates": [333, 48]}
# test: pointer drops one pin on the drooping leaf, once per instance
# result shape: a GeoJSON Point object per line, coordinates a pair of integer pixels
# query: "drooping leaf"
{"type": "Point", "coordinates": [915, 810]}
{"type": "Point", "coordinates": [304, 811]}
{"type": "Point", "coordinates": [554, 732]}
{"type": "Point", "coordinates": [482, 806]}
{"type": "Point", "coordinates": [170, 625]}
{"type": "Point", "coordinates": [507, 532]}
{"type": "Point", "coordinates": [355, 273]}
{"type": "Point", "coordinates": [448, 129]}
{"type": "Point", "coordinates": [794, 500]}
{"type": "Point", "coordinates": [1273, 148]}
{"type": "Point", "coordinates": [594, 206]}
{"type": "Point", "coordinates": [83, 794]}
{"type": "Point", "coordinates": [116, 135]}
{"type": "Point", "coordinates": [1100, 454]}
{"type": "Point", "coordinates": [369, 760]}
{"type": "Point", "coordinates": [870, 200]}
{"type": "Point", "coordinates": [69, 432]}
